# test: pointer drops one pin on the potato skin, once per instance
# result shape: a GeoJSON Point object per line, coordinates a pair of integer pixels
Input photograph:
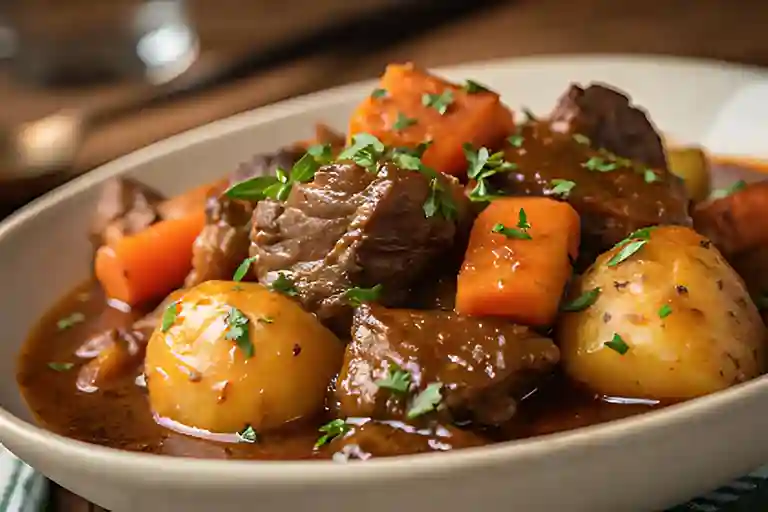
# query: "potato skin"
{"type": "Point", "coordinates": [199, 379]}
{"type": "Point", "coordinates": [712, 339]}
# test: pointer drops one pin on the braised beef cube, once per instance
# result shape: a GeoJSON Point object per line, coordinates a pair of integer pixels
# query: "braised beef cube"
{"type": "Point", "coordinates": [224, 241]}
{"type": "Point", "coordinates": [124, 207]}
{"type": "Point", "coordinates": [353, 228]}
{"type": "Point", "coordinates": [368, 438]}
{"type": "Point", "coordinates": [607, 117]}
{"type": "Point", "coordinates": [484, 364]}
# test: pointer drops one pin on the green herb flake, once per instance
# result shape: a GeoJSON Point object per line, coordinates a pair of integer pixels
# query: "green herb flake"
{"type": "Point", "coordinates": [402, 122]}
{"type": "Point", "coordinates": [366, 151]}
{"type": "Point", "coordinates": [426, 401]}
{"type": "Point", "coordinates": [516, 140]}
{"type": "Point", "coordinates": [70, 321]}
{"type": "Point", "coordinates": [617, 344]}
{"type": "Point", "coordinates": [482, 192]}
{"type": "Point", "coordinates": [650, 176]}
{"type": "Point", "coordinates": [600, 165]}
{"type": "Point", "coordinates": [476, 159]}
{"type": "Point", "coordinates": [247, 435]}
{"type": "Point", "coordinates": [304, 169]}
{"type": "Point", "coordinates": [562, 188]}
{"type": "Point", "coordinates": [439, 202]}
{"type": "Point", "coordinates": [725, 192]}
{"type": "Point", "coordinates": [519, 232]}
{"type": "Point", "coordinates": [237, 331]}
{"type": "Point", "coordinates": [169, 316]}
{"type": "Point", "coordinates": [583, 301]}
{"type": "Point", "coordinates": [243, 268]}
{"type": "Point", "coordinates": [378, 93]}
{"type": "Point", "coordinates": [627, 251]}
{"type": "Point", "coordinates": [439, 102]}
{"type": "Point", "coordinates": [522, 221]}
{"type": "Point", "coordinates": [61, 367]}
{"type": "Point", "coordinates": [582, 139]}
{"type": "Point", "coordinates": [322, 153]}
{"type": "Point", "coordinates": [284, 285]}
{"type": "Point", "coordinates": [331, 430]}
{"type": "Point", "coordinates": [472, 87]}
{"type": "Point", "coordinates": [397, 380]}
{"type": "Point", "coordinates": [253, 189]}
{"type": "Point", "coordinates": [665, 311]}
{"type": "Point", "coordinates": [358, 296]}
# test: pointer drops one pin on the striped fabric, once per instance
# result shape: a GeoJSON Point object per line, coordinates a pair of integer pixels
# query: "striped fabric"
{"type": "Point", "coordinates": [24, 490]}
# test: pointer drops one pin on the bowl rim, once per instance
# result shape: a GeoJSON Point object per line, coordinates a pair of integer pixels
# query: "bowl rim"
{"type": "Point", "coordinates": [204, 472]}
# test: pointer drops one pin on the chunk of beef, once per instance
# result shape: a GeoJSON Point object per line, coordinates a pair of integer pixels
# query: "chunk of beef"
{"type": "Point", "coordinates": [353, 228]}
{"type": "Point", "coordinates": [124, 207]}
{"type": "Point", "coordinates": [223, 244]}
{"type": "Point", "coordinates": [484, 364]}
{"type": "Point", "coordinates": [368, 438]}
{"type": "Point", "coordinates": [607, 117]}
{"type": "Point", "coordinates": [613, 196]}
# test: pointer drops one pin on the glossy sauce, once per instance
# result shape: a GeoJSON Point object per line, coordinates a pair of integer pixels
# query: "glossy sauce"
{"type": "Point", "coordinates": [119, 416]}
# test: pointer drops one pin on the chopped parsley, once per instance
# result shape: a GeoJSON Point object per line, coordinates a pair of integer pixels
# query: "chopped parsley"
{"type": "Point", "coordinates": [439, 201]}
{"type": "Point", "coordinates": [725, 192]}
{"type": "Point", "coordinates": [332, 430]}
{"type": "Point", "coordinates": [520, 232]}
{"type": "Point", "coordinates": [402, 122]}
{"type": "Point", "coordinates": [516, 140]}
{"type": "Point", "coordinates": [426, 401]}
{"type": "Point", "coordinates": [60, 367]}
{"type": "Point", "coordinates": [242, 269]}
{"type": "Point", "coordinates": [322, 153]}
{"type": "Point", "coordinates": [617, 344]}
{"type": "Point", "coordinates": [562, 188]}
{"type": "Point", "coordinates": [284, 285]}
{"type": "Point", "coordinates": [237, 331]}
{"type": "Point", "coordinates": [70, 321]}
{"type": "Point", "coordinates": [583, 301]}
{"type": "Point", "coordinates": [582, 139]}
{"type": "Point", "coordinates": [599, 164]}
{"type": "Point", "coordinates": [665, 311]}
{"type": "Point", "coordinates": [378, 93]}
{"type": "Point", "coordinates": [439, 102]}
{"type": "Point", "coordinates": [357, 296]}
{"type": "Point", "coordinates": [522, 221]}
{"type": "Point", "coordinates": [366, 151]}
{"type": "Point", "coordinates": [397, 380]}
{"type": "Point", "coordinates": [481, 166]}
{"type": "Point", "coordinates": [472, 87]}
{"type": "Point", "coordinates": [630, 245]}
{"type": "Point", "coordinates": [247, 435]}
{"type": "Point", "coordinates": [650, 176]}
{"type": "Point", "coordinates": [279, 186]}
{"type": "Point", "coordinates": [169, 316]}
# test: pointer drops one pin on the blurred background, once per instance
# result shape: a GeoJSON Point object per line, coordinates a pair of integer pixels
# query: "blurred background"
{"type": "Point", "coordinates": [85, 81]}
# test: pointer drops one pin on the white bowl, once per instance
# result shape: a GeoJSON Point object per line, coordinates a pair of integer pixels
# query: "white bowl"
{"type": "Point", "coordinates": [643, 463]}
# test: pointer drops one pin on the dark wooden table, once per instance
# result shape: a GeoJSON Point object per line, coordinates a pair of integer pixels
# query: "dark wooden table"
{"type": "Point", "coordinates": [717, 29]}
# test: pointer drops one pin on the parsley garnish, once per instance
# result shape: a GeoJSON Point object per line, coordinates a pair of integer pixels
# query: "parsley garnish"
{"type": "Point", "coordinates": [69, 321]}
{"type": "Point", "coordinates": [402, 122]}
{"type": "Point", "coordinates": [284, 285]}
{"type": "Point", "coordinates": [439, 201]}
{"type": "Point", "coordinates": [583, 301]}
{"type": "Point", "coordinates": [61, 367]}
{"type": "Point", "coordinates": [169, 316]}
{"type": "Point", "coordinates": [725, 192]}
{"type": "Point", "coordinates": [366, 151]}
{"type": "Point", "coordinates": [426, 401]}
{"type": "Point", "coordinates": [582, 139]}
{"type": "Point", "coordinates": [562, 187]}
{"type": "Point", "coordinates": [378, 93]}
{"type": "Point", "coordinates": [243, 268]}
{"type": "Point", "coordinates": [516, 140]}
{"type": "Point", "coordinates": [331, 430]}
{"type": "Point", "coordinates": [323, 153]}
{"type": "Point", "coordinates": [665, 311]}
{"type": "Point", "coordinates": [248, 435]}
{"type": "Point", "coordinates": [357, 296]}
{"type": "Point", "coordinates": [279, 186]}
{"type": "Point", "coordinates": [510, 232]}
{"type": "Point", "coordinates": [630, 245]}
{"type": "Point", "coordinates": [397, 380]}
{"type": "Point", "coordinates": [650, 176]}
{"type": "Point", "coordinates": [439, 102]}
{"type": "Point", "coordinates": [483, 165]}
{"type": "Point", "coordinates": [237, 331]}
{"type": "Point", "coordinates": [600, 165]}
{"type": "Point", "coordinates": [617, 344]}
{"type": "Point", "coordinates": [522, 221]}
{"type": "Point", "coordinates": [472, 87]}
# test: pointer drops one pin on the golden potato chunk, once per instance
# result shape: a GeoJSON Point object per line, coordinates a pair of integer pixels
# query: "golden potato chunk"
{"type": "Point", "coordinates": [228, 355]}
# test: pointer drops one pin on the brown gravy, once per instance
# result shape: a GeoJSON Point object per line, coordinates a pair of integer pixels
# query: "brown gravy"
{"type": "Point", "coordinates": [120, 416]}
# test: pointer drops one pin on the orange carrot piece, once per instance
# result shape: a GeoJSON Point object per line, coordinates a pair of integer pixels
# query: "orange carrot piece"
{"type": "Point", "coordinates": [518, 278]}
{"type": "Point", "coordinates": [151, 263]}
{"type": "Point", "coordinates": [191, 201]}
{"type": "Point", "coordinates": [478, 118]}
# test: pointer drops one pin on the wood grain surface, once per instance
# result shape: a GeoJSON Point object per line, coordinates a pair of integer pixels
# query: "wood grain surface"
{"type": "Point", "coordinates": [716, 29]}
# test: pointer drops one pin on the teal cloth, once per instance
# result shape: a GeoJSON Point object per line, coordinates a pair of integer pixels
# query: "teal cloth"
{"type": "Point", "coordinates": [24, 490]}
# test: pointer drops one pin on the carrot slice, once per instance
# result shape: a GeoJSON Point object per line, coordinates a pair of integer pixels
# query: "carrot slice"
{"type": "Point", "coordinates": [151, 263]}
{"type": "Point", "coordinates": [522, 279]}
{"type": "Point", "coordinates": [399, 117]}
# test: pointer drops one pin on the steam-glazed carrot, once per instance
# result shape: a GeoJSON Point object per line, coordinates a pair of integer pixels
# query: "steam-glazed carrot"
{"type": "Point", "coordinates": [151, 263]}
{"type": "Point", "coordinates": [411, 107]}
{"type": "Point", "coordinates": [517, 262]}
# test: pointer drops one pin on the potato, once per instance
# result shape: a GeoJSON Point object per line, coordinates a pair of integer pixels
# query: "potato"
{"type": "Point", "coordinates": [691, 164]}
{"type": "Point", "coordinates": [685, 317]}
{"type": "Point", "coordinates": [199, 372]}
